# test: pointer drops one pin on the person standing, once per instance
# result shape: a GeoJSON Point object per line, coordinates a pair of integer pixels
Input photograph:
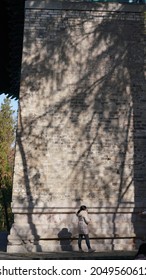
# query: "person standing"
{"type": "Point", "coordinates": [83, 222]}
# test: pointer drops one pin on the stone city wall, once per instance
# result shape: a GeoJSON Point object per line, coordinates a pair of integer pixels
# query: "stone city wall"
{"type": "Point", "coordinates": [81, 128]}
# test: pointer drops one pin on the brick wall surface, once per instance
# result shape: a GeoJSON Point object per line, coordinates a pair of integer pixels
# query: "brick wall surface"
{"type": "Point", "coordinates": [81, 132]}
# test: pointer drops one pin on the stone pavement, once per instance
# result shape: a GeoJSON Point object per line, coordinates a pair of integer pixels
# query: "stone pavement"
{"type": "Point", "coordinates": [74, 255]}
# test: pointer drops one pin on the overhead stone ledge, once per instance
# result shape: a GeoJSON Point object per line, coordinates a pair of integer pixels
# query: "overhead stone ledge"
{"type": "Point", "coordinates": [82, 5]}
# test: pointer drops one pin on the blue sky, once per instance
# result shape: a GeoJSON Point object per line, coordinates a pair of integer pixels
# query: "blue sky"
{"type": "Point", "coordinates": [14, 103]}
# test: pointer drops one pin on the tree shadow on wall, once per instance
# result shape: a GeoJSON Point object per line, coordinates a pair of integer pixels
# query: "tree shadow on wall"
{"type": "Point", "coordinates": [91, 69]}
{"type": "Point", "coordinates": [27, 234]}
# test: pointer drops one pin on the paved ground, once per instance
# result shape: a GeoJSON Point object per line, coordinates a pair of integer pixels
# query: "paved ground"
{"type": "Point", "coordinates": [114, 255]}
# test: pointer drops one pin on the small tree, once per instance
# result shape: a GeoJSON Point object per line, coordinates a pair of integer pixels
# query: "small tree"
{"type": "Point", "coordinates": [7, 137]}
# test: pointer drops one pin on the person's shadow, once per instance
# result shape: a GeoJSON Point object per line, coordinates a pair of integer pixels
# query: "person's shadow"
{"type": "Point", "coordinates": [65, 239]}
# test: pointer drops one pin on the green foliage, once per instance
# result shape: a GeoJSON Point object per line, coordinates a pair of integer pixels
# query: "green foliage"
{"type": "Point", "coordinates": [7, 137]}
